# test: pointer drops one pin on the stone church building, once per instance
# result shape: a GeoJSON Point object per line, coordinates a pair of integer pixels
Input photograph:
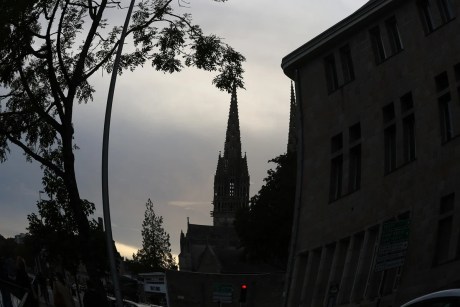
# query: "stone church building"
{"type": "Point", "coordinates": [215, 249]}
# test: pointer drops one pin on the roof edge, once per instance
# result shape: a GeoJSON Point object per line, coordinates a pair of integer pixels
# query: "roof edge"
{"type": "Point", "coordinates": [345, 24]}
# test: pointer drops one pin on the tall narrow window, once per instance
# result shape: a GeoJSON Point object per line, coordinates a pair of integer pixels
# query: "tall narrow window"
{"type": "Point", "coordinates": [331, 73]}
{"type": "Point", "coordinates": [336, 143]}
{"type": "Point", "coordinates": [445, 118]}
{"type": "Point", "coordinates": [390, 149]}
{"type": "Point", "coordinates": [393, 35]}
{"type": "Point", "coordinates": [409, 138]}
{"type": "Point", "coordinates": [457, 71]}
{"type": "Point", "coordinates": [377, 45]}
{"type": "Point", "coordinates": [355, 168]}
{"type": "Point", "coordinates": [426, 15]}
{"type": "Point", "coordinates": [336, 177]}
{"type": "Point", "coordinates": [354, 171]}
{"type": "Point", "coordinates": [389, 138]}
{"type": "Point", "coordinates": [347, 64]}
{"type": "Point", "coordinates": [408, 126]}
{"type": "Point", "coordinates": [444, 233]}
{"type": "Point", "coordinates": [335, 190]}
{"type": "Point", "coordinates": [354, 133]}
{"type": "Point", "coordinates": [388, 113]}
{"type": "Point", "coordinates": [445, 8]}
{"type": "Point", "coordinates": [441, 81]}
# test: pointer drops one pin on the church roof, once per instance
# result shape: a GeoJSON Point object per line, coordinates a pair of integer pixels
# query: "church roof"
{"type": "Point", "coordinates": [212, 234]}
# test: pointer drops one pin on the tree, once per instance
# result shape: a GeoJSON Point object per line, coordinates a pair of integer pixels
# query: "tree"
{"type": "Point", "coordinates": [155, 254]}
{"type": "Point", "coordinates": [265, 227]}
{"type": "Point", "coordinates": [49, 49]}
{"type": "Point", "coordinates": [54, 228]}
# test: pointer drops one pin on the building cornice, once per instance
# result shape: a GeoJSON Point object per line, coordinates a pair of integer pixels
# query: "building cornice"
{"type": "Point", "coordinates": [368, 10]}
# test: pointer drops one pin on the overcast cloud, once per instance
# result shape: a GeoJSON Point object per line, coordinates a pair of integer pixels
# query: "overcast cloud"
{"type": "Point", "coordinates": [167, 130]}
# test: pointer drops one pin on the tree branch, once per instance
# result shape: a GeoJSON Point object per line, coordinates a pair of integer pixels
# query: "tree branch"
{"type": "Point", "coordinates": [34, 155]}
{"type": "Point", "coordinates": [102, 62]}
{"type": "Point", "coordinates": [50, 120]}
{"type": "Point", "coordinates": [58, 45]}
{"type": "Point", "coordinates": [151, 20]}
{"type": "Point", "coordinates": [79, 67]}
{"type": "Point", "coordinates": [55, 88]}
{"type": "Point", "coordinates": [90, 9]}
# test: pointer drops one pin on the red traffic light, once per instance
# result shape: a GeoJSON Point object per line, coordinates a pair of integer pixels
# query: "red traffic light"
{"type": "Point", "coordinates": [243, 291]}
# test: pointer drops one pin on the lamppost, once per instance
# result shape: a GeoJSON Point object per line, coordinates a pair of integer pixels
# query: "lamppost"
{"type": "Point", "coordinates": [105, 162]}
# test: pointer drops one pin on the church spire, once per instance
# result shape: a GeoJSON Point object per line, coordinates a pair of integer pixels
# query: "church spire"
{"type": "Point", "coordinates": [292, 139]}
{"type": "Point", "coordinates": [231, 181]}
{"type": "Point", "coordinates": [232, 139]}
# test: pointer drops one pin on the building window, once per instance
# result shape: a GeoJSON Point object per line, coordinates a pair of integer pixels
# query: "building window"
{"type": "Point", "coordinates": [390, 149]}
{"type": "Point", "coordinates": [444, 232]}
{"type": "Point", "coordinates": [399, 140]}
{"type": "Point", "coordinates": [355, 168]}
{"type": "Point", "coordinates": [377, 45]}
{"type": "Point", "coordinates": [354, 172]}
{"type": "Point", "coordinates": [441, 81]}
{"type": "Point", "coordinates": [232, 189]}
{"type": "Point", "coordinates": [393, 35]}
{"type": "Point", "coordinates": [457, 71]}
{"type": "Point", "coordinates": [409, 138]}
{"type": "Point", "coordinates": [408, 126]}
{"type": "Point", "coordinates": [388, 113]}
{"type": "Point", "coordinates": [331, 73]}
{"type": "Point", "coordinates": [347, 64]}
{"type": "Point", "coordinates": [445, 9]}
{"type": "Point", "coordinates": [354, 133]}
{"type": "Point", "coordinates": [426, 15]}
{"type": "Point", "coordinates": [389, 138]}
{"type": "Point", "coordinates": [407, 103]}
{"type": "Point", "coordinates": [336, 143]}
{"type": "Point", "coordinates": [336, 167]}
{"type": "Point", "coordinates": [445, 117]}
{"type": "Point", "coordinates": [432, 17]}
{"type": "Point", "coordinates": [336, 178]}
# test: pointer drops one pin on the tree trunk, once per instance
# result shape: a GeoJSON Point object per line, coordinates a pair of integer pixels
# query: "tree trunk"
{"type": "Point", "coordinates": [87, 251]}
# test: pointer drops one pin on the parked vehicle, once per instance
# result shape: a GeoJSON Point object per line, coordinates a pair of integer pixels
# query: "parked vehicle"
{"type": "Point", "coordinates": [445, 298]}
{"type": "Point", "coordinates": [128, 303]}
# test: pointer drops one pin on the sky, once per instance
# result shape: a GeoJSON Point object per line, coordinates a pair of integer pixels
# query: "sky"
{"type": "Point", "coordinates": [167, 130]}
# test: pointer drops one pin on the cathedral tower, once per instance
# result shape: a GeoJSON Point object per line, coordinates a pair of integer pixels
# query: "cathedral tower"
{"type": "Point", "coordinates": [231, 182]}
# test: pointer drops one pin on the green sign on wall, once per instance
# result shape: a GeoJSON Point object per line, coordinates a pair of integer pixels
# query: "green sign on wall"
{"type": "Point", "coordinates": [222, 293]}
{"type": "Point", "coordinates": [393, 245]}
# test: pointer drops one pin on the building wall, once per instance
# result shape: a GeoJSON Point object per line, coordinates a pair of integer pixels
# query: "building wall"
{"type": "Point", "coordinates": [338, 238]}
{"type": "Point", "coordinates": [187, 289]}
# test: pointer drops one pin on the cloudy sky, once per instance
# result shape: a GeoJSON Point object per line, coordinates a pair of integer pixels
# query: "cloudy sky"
{"type": "Point", "coordinates": [167, 130]}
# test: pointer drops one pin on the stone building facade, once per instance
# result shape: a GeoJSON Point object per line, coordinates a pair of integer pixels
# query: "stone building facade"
{"type": "Point", "coordinates": [377, 218]}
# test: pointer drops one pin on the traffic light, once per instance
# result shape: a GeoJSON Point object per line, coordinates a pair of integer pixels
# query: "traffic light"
{"type": "Point", "coordinates": [243, 291]}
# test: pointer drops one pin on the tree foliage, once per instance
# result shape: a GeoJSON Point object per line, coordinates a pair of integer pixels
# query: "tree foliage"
{"type": "Point", "coordinates": [49, 50]}
{"type": "Point", "coordinates": [155, 254]}
{"type": "Point", "coordinates": [55, 230]}
{"type": "Point", "coordinates": [265, 227]}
